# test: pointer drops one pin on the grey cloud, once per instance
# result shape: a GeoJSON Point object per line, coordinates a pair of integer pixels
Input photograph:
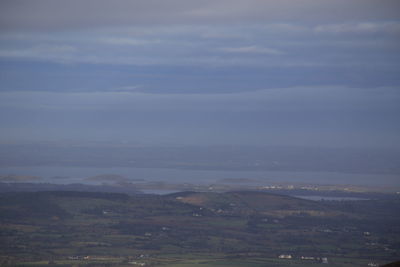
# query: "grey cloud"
{"type": "Point", "coordinates": [296, 98]}
{"type": "Point", "coordinates": [217, 46]}
{"type": "Point", "coordinates": [252, 50]}
{"type": "Point", "coordinates": [136, 68]}
{"type": "Point", "coordinates": [128, 41]}
{"type": "Point", "coordinates": [60, 14]}
{"type": "Point", "coordinates": [180, 55]}
{"type": "Point", "coordinates": [361, 27]}
{"type": "Point", "coordinates": [56, 53]}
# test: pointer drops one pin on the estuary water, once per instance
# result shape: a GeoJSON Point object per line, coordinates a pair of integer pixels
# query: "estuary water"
{"type": "Point", "coordinates": [321, 198]}
{"type": "Point", "coordinates": [68, 175]}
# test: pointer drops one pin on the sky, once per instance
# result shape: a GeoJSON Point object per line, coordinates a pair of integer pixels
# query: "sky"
{"type": "Point", "coordinates": [185, 72]}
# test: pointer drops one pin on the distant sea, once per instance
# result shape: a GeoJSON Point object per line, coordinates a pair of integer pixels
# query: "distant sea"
{"type": "Point", "coordinates": [68, 175]}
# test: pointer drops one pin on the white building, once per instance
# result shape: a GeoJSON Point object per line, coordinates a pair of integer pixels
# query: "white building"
{"type": "Point", "coordinates": [284, 256]}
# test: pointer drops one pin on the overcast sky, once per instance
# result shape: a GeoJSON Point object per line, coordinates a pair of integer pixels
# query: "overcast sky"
{"type": "Point", "coordinates": [288, 72]}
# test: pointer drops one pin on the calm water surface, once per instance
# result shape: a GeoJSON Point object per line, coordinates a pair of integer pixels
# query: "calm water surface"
{"type": "Point", "coordinates": [66, 175]}
{"type": "Point", "coordinates": [320, 198]}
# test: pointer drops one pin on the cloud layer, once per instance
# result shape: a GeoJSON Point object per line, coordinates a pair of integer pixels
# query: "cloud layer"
{"type": "Point", "coordinates": [296, 72]}
{"type": "Point", "coordinates": [59, 14]}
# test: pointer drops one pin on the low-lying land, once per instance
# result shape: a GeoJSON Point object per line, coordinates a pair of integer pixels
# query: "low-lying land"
{"type": "Point", "coordinates": [65, 228]}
